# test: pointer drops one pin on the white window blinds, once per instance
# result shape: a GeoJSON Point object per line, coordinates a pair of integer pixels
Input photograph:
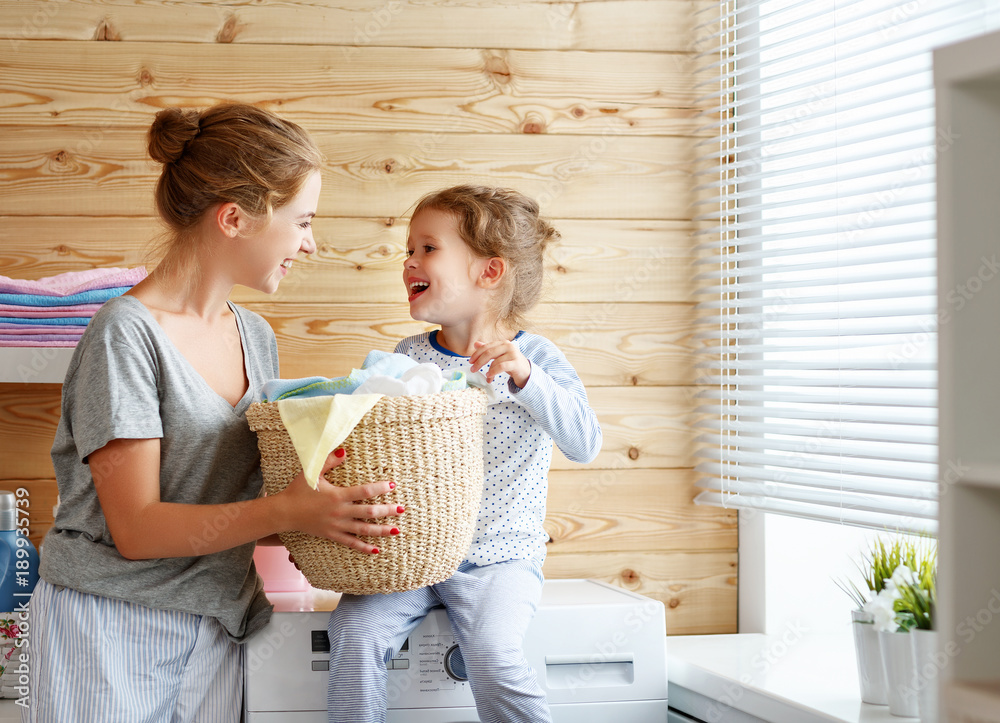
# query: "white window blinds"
{"type": "Point", "coordinates": [815, 258]}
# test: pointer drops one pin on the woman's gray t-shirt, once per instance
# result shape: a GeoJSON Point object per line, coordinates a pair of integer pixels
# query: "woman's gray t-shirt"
{"type": "Point", "coordinates": [127, 380]}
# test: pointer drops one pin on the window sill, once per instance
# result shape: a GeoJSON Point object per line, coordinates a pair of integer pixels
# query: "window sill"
{"type": "Point", "coordinates": [794, 677]}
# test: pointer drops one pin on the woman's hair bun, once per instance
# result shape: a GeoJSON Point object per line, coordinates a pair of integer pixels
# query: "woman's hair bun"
{"type": "Point", "coordinates": [170, 132]}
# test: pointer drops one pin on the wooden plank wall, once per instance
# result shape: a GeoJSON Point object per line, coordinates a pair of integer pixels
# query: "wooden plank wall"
{"type": "Point", "coordinates": [588, 106]}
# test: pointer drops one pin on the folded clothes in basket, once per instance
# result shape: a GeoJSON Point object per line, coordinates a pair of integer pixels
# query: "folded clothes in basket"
{"type": "Point", "coordinates": [319, 413]}
{"type": "Point", "coordinates": [381, 373]}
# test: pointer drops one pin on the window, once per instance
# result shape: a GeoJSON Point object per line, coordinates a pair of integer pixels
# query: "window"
{"type": "Point", "coordinates": [816, 256]}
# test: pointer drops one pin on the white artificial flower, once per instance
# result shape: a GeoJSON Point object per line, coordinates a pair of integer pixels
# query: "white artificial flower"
{"type": "Point", "coordinates": [881, 608]}
{"type": "Point", "coordinates": [902, 575]}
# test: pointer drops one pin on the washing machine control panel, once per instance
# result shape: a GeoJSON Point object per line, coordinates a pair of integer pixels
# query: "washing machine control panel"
{"type": "Point", "coordinates": [430, 662]}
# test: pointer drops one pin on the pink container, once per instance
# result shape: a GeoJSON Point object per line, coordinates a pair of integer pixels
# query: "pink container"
{"type": "Point", "coordinates": [278, 573]}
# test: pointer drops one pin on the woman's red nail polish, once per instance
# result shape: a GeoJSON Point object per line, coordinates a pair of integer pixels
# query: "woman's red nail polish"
{"type": "Point", "coordinates": [374, 550]}
{"type": "Point", "coordinates": [339, 452]}
{"type": "Point", "coordinates": [394, 531]}
{"type": "Point", "coordinates": [400, 510]}
{"type": "Point", "coordinates": [392, 485]}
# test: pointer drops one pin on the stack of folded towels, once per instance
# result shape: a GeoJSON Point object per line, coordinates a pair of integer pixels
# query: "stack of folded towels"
{"type": "Point", "coordinates": [55, 310]}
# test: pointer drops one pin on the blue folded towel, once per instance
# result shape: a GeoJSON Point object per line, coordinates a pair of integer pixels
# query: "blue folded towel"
{"type": "Point", "coordinates": [94, 296]}
{"type": "Point", "coordinates": [46, 321]}
{"type": "Point", "coordinates": [275, 390]}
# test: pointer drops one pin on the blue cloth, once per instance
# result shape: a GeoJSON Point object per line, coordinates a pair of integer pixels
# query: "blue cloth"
{"type": "Point", "coordinates": [47, 321]}
{"type": "Point", "coordinates": [94, 296]}
{"type": "Point", "coordinates": [277, 389]}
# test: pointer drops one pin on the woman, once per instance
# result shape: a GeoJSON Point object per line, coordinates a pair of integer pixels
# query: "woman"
{"type": "Point", "coordinates": [147, 580]}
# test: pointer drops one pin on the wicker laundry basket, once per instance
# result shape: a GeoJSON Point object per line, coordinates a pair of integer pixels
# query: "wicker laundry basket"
{"type": "Point", "coordinates": [431, 446]}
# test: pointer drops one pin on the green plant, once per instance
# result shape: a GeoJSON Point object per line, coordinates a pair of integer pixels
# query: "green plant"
{"type": "Point", "coordinates": [899, 583]}
{"type": "Point", "coordinates": [849, 587]}
{"type": "Point", "coordinates": [884, 560]}
{"type": "Point", "coordinates": [876, 567]}
{"type": "Point", "coordinates": [917, 602]}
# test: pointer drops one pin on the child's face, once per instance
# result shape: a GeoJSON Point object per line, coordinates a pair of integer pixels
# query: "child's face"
{"type": "Point", "coordinates": [440, 272]}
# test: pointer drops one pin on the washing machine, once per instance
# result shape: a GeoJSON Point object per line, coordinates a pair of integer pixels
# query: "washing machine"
{"type": "Point", "coordinates": [599, 652]}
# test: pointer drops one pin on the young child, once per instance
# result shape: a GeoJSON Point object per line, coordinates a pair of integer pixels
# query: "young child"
{"type": "Point", "coordinates": [474, 266]}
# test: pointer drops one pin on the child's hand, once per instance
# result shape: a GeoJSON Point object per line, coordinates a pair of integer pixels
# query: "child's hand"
{"type": "Point", "coordinates": [506, 357]}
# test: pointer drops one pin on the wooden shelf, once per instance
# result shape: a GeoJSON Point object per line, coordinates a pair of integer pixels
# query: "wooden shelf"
{"type": "Point", "coordinates": [972, 702]}
{"type": "Point", "coordinates": [40, 365]}
{"type": "Point", "coordinates": [967, 89]}
{"type": "Point", "coordinates": [984, 476]}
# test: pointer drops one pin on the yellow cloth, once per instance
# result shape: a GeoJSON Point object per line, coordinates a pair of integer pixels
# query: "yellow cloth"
{"type": "Point", "coordinates": [318, 424]}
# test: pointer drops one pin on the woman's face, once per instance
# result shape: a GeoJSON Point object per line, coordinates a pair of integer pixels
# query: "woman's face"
{"type": "Point", "coordinates": [267, 255]}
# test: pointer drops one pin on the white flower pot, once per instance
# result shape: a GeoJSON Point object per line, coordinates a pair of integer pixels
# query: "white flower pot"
{"type": "Point", "coordinates": [871, 671]}
{"type": "Point", "coordinates": [926, 668]}
{"type": "Point", "coordinates": [897, 655]}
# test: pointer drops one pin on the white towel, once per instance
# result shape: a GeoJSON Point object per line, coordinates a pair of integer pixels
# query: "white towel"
{"type": "Point", "coordinates": [421, 379]}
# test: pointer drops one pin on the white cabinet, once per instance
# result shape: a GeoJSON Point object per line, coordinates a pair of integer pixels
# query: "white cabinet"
{"type": "Point", "coordinates": [967, 80]}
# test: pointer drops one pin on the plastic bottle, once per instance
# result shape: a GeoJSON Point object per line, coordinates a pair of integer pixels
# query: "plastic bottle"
{"type": "Point", "coordinates": [18, 558]}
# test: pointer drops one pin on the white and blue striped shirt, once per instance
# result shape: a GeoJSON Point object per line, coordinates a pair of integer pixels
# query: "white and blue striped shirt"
{"type": "Point", "coordinates": [519, 431]}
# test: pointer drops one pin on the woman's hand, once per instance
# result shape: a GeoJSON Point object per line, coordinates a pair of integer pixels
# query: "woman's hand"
{"type": "Point", "coordinates": [332, 511]}
{"type": "Point", "coordinates": [506, 357]}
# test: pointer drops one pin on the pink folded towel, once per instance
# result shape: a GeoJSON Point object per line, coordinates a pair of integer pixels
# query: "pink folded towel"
{"type": "Point", "coordinates": [27, 329]}
{"type": "Point", "coordinates": [31, 342]}
{"type": "Point", "coordinates": [43, 312]}
{"type": "Point", "coordinates": [39, 340]}
{"type": "Point", "coordinates": [74, 282]}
